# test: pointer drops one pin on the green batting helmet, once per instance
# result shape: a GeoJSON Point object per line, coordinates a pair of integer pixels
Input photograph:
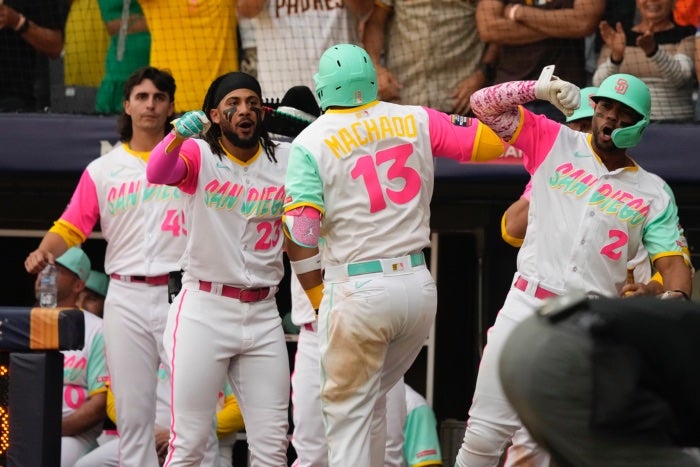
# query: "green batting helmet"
{"type": "Point", "coordinates": [346, 77]}
{"type": "Point", "coordinates": [632, 92]}
{"type": "Point", "coordinates": [585, 110]}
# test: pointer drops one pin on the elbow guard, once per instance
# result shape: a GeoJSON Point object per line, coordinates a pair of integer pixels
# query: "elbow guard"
{"type": "Point", "coordinates": [302, 225]}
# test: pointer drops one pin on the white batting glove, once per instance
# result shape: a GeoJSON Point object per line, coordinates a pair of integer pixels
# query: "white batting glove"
{"type": "Point", "coordinates": [564, 95]}
{"type": "Point", "coordinates": [193, 123]}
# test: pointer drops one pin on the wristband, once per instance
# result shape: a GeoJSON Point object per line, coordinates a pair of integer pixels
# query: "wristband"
{"type": "Point", "coordinates": [511, 12]}
{"type": "Point", "coordinates": [306, 265]}
{"type": "Point", "coordinates": [23, 25]}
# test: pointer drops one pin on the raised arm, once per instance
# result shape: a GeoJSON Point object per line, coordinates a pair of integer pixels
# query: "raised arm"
{"type": "Point", "coordinates": [497, 106]}
{"type": "Point", "coordinates": [165, 166]}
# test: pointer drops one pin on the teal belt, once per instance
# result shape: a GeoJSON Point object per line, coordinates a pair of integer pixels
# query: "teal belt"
{"type": "Point", "coordinates": [369, 267]}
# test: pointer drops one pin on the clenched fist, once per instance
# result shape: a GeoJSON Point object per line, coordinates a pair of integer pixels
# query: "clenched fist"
{"type": "Point", "coordinates": [563, 95]}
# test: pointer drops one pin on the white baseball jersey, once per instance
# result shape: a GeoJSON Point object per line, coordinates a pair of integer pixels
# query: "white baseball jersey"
{"type": "Point", "coordinates": [143, 223]}
{"type": "Point", "coordinates": [374, 162]}
{"type": "Point", "coordinates": [246, 245]}
{"type": "Point", "coordinates": [234, 239]}
{"type": "Point", "coordinates": [292, 36]}
{"type": "Point", "coordinates": [84, 375]}
{"type": "Point", "coordinates": [587, 222]}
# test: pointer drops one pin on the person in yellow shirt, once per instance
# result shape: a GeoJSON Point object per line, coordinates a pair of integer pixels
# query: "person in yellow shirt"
{"type": "Point", "coordinates": [85, 46]}
{"type": "Point", "coordinates": [196, 40]}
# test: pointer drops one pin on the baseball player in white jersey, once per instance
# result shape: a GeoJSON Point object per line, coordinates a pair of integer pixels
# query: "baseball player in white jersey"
{"type": "Point", "coordinates": [224, 324]}
{"type": "Point", "coordinates": [361, 176]}
{"type": "Point", "coordinates": [291, 36]}
{"type": "Point", "coordinates": [144, 227]}
{"type": "Point", "coordinates": [84, 370]}
{"type": "Point", "coordinates": [591, 208]}
{"type": "Point", "coordinates": [308, 437]}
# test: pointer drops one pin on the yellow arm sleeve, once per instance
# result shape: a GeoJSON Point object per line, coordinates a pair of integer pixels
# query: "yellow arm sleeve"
{"type": "Point", "coordinates": [68, 232]}
{"type": "Point", "coordinates": [229, 419]}
{"type": "Point", "coordinates": [487, 145]}
{"type": "Point", "coordinates": [657, 277]}
{"type": "Point", "coordinates": [111, 407]}
{"type": "Point", "coordinates": [315, 296]}
{"type": "Point", "coordinates": [509, 239]}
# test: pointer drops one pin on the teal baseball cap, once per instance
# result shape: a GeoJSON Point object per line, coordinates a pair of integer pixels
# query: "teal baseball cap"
{"type": "Point", "coordinates": [97, 282]}
{"type": "Point", "coordinates": [76, 261]}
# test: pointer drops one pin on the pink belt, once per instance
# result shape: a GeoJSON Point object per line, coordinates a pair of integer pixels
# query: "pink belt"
{"type": "Point", "coordinates": [540, 292]}
{"type": "Point", "coordinates": [244, 295]}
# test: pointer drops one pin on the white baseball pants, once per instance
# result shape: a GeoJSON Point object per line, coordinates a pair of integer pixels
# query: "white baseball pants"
{"type": "Point", "coordinates": [371, 328]}
{"type": "Point", "coordinates": [134, 321]}
{"type": "Point", "coordinates": [492, 420]}
{"type": "Point", "coordinates": [211, 339]}
{"type": "Point", "coordinates": [309, 437]}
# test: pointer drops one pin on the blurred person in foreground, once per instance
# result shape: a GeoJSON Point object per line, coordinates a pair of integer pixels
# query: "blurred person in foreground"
{"type": "Point", "coordinates": [605, 382]}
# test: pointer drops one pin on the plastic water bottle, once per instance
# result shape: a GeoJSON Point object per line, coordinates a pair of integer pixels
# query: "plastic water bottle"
{"type": "Point", "coordinates": [48, 287]}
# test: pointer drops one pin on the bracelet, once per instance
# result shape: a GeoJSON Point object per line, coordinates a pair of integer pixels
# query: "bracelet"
{"type": "Point", "coordinates": [511, 12]}
{"type": "Point", "coordinates": [615, 62]}
{"type": "Point", "coordinates": [23, 25]}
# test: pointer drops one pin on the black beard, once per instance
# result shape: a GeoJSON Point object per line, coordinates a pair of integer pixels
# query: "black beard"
{"type": "Point", "coordinates": [240, 142]}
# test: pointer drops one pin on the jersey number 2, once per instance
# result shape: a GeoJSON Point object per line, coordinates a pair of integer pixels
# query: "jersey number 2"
{"type": "Point", "coordinates": [612, 249]}
{"type": "Point", "coordinates": [366, 167]}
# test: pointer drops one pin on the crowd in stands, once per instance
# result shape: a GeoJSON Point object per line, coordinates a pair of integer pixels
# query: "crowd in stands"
{"type": "Point", "coordinates": [424, 56]}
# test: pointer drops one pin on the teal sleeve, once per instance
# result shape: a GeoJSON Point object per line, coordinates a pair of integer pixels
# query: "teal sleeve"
{"type": "Point", "coordinates": [661, 235]}
{"type": "Point", "coordinates": [421, 445]}
{"type": "Point", "coordinates": [97, 374]}
{"type": "Point", "coordinates": [303, 184]}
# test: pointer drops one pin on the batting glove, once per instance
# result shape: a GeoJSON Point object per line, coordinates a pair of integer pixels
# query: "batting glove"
{"type": "Point", "coordinates": [191, 124]}
{"type": "Point", "coordinates": [564, 95]}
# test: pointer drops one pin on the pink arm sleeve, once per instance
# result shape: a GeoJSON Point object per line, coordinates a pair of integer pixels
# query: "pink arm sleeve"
{"type": "Point", "coordinates": [462, 138]}
{"type": "Point", "coordinates": [448, 138]}
{"type": "Point", "coordinates": [83, 211]}
{"type": "Point", "coordinates": [497, 106]}
{"type": "Point", "coordinates": [165, 167]}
